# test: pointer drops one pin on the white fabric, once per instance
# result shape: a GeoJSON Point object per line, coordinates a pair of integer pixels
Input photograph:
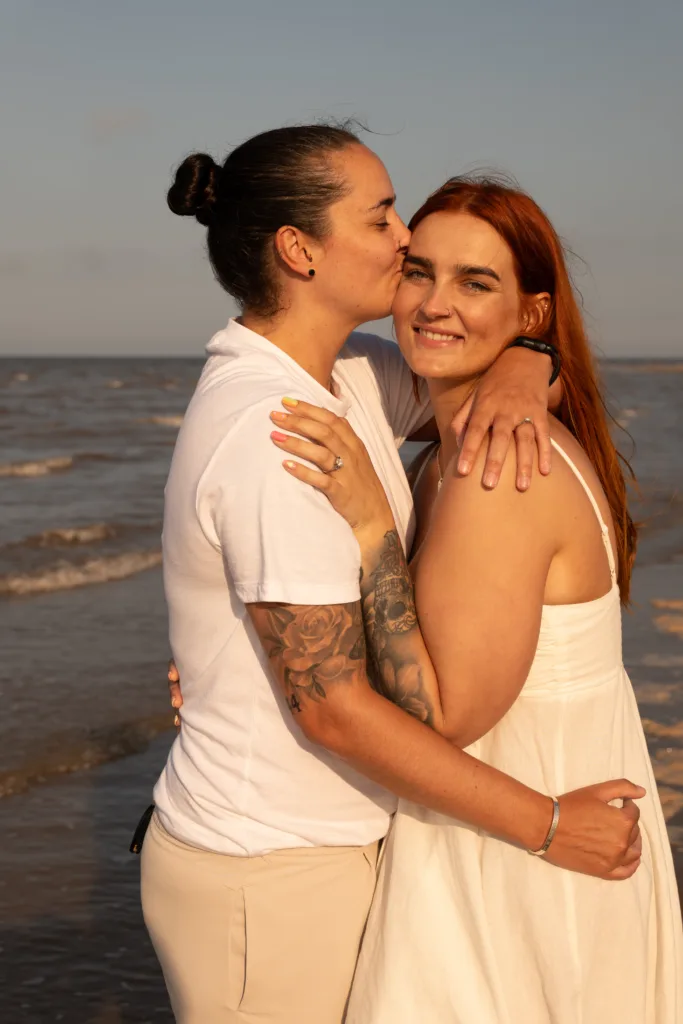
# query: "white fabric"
{"type": "Point", "coordinates": [241, 778]}
{"type": "Point", "coordinates": [465, 928]}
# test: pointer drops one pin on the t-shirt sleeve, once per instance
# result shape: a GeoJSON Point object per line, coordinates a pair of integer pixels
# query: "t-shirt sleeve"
{"type": "Point", "coordinates": [404, 411]}
{"type": "Point", "coordinates": [280, 539]}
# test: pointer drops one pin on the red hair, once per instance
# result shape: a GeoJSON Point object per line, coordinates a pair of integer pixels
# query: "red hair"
{"type": "Point", "coordinates": [541, 267]}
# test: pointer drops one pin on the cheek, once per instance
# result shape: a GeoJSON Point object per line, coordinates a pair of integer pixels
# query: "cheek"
{"type": "Point", "coordinates": [404, 307]}
{"type": "Point", "coordinates": [492, 320]}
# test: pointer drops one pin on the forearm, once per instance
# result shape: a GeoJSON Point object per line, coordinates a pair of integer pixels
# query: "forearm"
{"type": "Point", "coordinates": [399, 753]}
{"type": "Point", "coordinates": [399, 665]}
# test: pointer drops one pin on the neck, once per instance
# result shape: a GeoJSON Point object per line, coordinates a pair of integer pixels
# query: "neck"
{"type": "Point", "coordinates": [447, 397]}
{"type": "Point", "coordinates": [312, 337]}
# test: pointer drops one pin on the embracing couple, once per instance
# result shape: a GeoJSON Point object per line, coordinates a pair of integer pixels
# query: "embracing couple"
{"type": "Point", "coordinates": [350, 651]}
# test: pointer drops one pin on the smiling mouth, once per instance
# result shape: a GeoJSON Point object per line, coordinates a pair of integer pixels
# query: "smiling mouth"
{"type": "Point", "coordinates": [437, 338]}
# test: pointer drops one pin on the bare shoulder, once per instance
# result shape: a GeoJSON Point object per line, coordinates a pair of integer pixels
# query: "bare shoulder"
{"type": "Point", "coordinates": [547, 511]}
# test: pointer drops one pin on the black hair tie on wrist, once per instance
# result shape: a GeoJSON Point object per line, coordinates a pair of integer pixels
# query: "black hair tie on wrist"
{"type": "Point", "coordinates": [545, 348]}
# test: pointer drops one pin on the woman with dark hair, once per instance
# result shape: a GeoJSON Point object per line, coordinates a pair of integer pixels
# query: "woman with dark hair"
{"type": "Point", "coordinates": [259, 864]}
{"type": "Point", "coordinates": [518, 599]}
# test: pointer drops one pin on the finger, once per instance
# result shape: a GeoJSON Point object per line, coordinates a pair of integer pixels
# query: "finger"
{"type": "Point", "coordinates": [173, 671]}
{"type": "Point", "coordinates": [636, 847]}
{"type": "Point", "coordinates": [525, 439]}
{"type": "Point", "coordinates": [545, 448]}
{"type": "Point", "coordinates": [175, 695]}
{"type": "Point", "coordinates": [477, 429]}
{"type": "Point", "coordinates": [459, 424]}
{"type": "Point", "coordinates": [318, 454]}
{"type": "Point", "coordinates": [497, 453]}
{"type": "Point", "coordinates": [321, 481]}
{"type": "Point", "coordinates": [324, 433]}
{"type": "Point", "coordinates": [631, 810]}
{"type": "Point", "coordinates": [618, 789]}
{"type": "Point", "coordinates": [313, 412]}
{"type": "Point", "coordinates": [620, 874]}
{"type": "Point", "coordinates": [176, 721]}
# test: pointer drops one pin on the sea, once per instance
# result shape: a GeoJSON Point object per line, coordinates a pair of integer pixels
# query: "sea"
{"type": "Point", "coordinates": [85, 724]}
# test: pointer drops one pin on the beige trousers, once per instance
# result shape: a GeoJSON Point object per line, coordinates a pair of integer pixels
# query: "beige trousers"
{"type": "Point", "coordinates": [268, 940]}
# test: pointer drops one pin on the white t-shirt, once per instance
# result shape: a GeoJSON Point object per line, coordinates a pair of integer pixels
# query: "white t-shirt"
{"type": "Point", "coordinates": [241, 778]}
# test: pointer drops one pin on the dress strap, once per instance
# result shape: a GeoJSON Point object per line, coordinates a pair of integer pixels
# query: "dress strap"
{"type": "Point", "coordinates": [606, 539]}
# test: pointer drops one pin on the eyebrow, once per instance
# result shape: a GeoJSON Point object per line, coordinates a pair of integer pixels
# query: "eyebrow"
{"type": "Point", "coordinates": [461, 269]}
{"type": "Point", "coordinates": [388, 203]}
{"type": "Point", "coordinates": [465, 269]}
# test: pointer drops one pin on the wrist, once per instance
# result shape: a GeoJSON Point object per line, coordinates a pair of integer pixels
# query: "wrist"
{"type": "Point", "coordinates": [534, 827]}
{"type": "Point", "coordinates": [541, 348]}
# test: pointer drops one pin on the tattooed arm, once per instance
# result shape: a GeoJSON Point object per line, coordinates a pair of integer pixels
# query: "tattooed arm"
{"type": "Point", "coordinates": [399, 666]}
{"type": "Point", "coordinates": [317, 657]}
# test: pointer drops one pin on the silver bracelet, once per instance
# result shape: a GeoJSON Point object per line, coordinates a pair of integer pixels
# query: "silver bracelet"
{"type": "Point", "coordinates": [551, 831]}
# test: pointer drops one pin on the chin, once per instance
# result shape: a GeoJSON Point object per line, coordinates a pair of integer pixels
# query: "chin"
{"type": "Point", "coordinates": [428, 366]}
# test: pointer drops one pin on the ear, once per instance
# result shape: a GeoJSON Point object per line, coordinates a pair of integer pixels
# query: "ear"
{"type": "Point", "coordinates": [535, 313]}
{"type": "Point", "coordinates": [295, 250]}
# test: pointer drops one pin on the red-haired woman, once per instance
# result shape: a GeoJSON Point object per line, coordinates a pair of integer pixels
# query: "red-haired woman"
{"type": "Point", "coordinates": [518, 595]}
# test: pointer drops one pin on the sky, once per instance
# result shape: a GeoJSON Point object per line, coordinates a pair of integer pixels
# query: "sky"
{"type": "Point", "coordinates": [580, 100]}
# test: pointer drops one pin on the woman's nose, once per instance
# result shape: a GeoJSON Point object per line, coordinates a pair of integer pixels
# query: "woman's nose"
{"type": "Point", "coordinates": [402, 234]}
{"type": "Point", "coordinates": [436, 306]}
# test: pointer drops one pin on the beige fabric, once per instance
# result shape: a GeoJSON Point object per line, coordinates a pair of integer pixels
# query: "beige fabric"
{"type": "Point", "coordinates": [265, 940]}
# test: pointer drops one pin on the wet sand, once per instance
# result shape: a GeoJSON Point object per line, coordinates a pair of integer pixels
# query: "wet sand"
{"type": "Point", "coordinates": [74, 947]}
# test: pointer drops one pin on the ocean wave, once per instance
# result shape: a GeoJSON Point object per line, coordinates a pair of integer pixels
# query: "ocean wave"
{"type": "Point", "coordinates": [55, 464]}
{"type": "Point", "coordinates": [163, 421]}
{"type": "Point", "coordinates": [662, 660]}
{"type": "Point", "coordinates": [41, 467]}
{"type": "Point", "coordinates": [66, 536]}
{"type": "Point", "coordinates": [68, 576]}
{"type": "Point", "coordinates": [71, 752]}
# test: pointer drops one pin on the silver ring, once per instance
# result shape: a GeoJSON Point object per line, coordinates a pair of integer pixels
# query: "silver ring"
{"type": "Point", "coordinates": [338, 464]}
{"type": "Point", "coordinates": [527, 419]}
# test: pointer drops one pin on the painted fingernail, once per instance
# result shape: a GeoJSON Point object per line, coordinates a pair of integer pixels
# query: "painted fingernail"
{"type": "Point", "coordinates": [464, 466]}
{"type": "Point", "coordinates": [176, 721]}
{"type": "Point", "coordinates": [277, 436]}
{"type": "Point", "coordinates": [293, 402]}
{"type": "Point", "coordinates": [278, 415]}
{"type": "Point", "coordinates": [288, 464]}
{"type": "Point", "coordinates": [489, 480]}
{"type": "Point", "coordinates": [176, 702]}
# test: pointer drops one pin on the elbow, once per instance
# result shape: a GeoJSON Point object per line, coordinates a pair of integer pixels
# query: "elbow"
{"type": "Point", "coordinates": [462, 729]}
{"type": "Point", "coordinates": [326, 725]}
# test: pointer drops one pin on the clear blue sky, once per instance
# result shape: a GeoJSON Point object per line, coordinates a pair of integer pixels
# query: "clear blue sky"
{"type": "Point", "coordinates": [580, 99]}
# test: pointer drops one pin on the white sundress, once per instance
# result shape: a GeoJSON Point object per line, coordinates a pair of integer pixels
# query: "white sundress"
{"type": "Point", "coordinates": [466, 929]}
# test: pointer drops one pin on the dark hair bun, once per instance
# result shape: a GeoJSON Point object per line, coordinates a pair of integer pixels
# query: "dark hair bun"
{"type": "Point", "coordinates": [193, 193]}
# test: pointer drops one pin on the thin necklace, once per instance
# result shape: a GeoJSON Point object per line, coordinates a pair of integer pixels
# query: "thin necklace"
{"type": "Point", "coordinates": [438, 467]}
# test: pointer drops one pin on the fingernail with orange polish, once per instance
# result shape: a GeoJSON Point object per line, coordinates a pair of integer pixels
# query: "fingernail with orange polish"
{"type": "Point", "coordinates": [293, 402]}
